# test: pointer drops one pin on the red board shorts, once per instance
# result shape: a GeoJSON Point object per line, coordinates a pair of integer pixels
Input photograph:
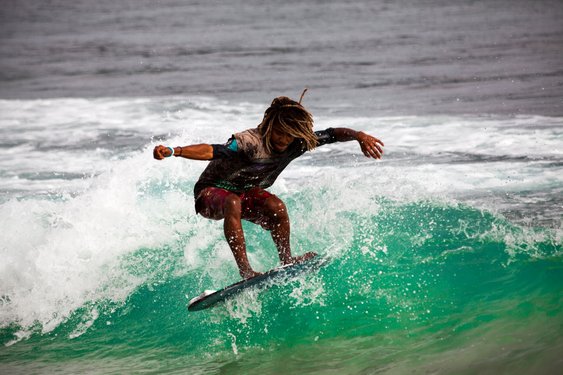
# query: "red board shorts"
{"type": "Point", "coordinates": [210, 203]}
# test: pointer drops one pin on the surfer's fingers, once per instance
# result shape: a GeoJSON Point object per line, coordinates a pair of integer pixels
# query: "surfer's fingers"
{"type": "Point", "coordinates": [368, 152]}
{"type": "Point", "coordinates": [371, 150]}
{"type": "Point", "coordinates": [366, 149]}
{"type": "Point", "coordinates": [374, 152]}
{"type": "Point", "coordinates": [378, 146]}
{"type": "Point", "coordinates": [377, 140]}
{"type": "Point", "coordinates": [371, 146]}
{"type": "Point", "coordinates": [379, 149]}
{"type": "Point", "coordinates": [157, 153]}
{"type": "Point", "coordinates": [378, 143]}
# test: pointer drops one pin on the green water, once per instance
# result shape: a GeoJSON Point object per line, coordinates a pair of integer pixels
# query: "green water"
{"type": "Point", "coordinates": [422, 287]}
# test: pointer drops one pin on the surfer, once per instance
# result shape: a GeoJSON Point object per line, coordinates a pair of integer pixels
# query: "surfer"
{"type": "Point", "coordinates": [232, 187]}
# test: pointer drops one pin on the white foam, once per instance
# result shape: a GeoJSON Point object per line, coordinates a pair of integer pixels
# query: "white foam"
{"type": "Point", "coordinates": [534, 136]}
{"type": "Point", "coordinates": [73, 136]}
{"type": "Point", "coordinates": [58, 255]}
{"type": "Point", "coordinates": [63, 251]}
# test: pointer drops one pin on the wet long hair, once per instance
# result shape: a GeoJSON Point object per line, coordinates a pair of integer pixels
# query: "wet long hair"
{"type": "Point", "coordinates": [290, 117]}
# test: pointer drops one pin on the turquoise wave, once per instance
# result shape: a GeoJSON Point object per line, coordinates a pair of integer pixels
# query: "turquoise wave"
{"type": "Point", "coordinates": [421, 286]}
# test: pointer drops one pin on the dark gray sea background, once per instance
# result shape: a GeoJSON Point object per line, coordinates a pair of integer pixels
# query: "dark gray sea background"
{"type": "Point", "coordinates": [356, 57]}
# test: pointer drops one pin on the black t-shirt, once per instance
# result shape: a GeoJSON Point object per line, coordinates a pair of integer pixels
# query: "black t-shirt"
{"type": "Point", "coordinates": [244, 163]}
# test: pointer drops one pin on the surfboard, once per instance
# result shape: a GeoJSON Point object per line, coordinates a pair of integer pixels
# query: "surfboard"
{"type": "Point", "coordinates": [209, 298]}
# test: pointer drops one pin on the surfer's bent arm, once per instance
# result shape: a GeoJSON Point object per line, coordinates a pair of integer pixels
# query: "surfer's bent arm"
{"type": "Point", "coordinates": [202, 151]}
{"type": "Point", "coordinates": [196, 152]}
{"type": "Point", "coordinates": [371, 146]}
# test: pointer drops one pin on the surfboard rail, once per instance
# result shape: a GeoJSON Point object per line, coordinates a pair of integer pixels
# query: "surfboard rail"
{"type": "Point", "coordinates": [209, 298]}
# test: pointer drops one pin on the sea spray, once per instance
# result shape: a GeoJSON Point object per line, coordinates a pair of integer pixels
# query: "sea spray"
{"type": "Point", "coordinates": [436, 256]}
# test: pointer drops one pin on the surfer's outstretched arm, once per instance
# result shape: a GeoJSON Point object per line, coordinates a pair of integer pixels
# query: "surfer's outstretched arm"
{"type": "Point", "coordinates": [371, 146]}
{"type": "Point", "coordinates": [196, 152]}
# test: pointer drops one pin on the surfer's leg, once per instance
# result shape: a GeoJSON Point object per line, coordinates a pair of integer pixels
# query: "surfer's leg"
{"type": "Point", "coordinates": [279, 227]}
{"type": "Point", "coordinates": [235, 236]}
{"type": "Point", "coordinates": [218, 204]}
{"type": "Point", "coordinates": [278, 224]}
{"type": "Point", "coordinates": [265, 209]}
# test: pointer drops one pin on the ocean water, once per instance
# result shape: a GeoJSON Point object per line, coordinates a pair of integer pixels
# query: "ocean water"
{"type": "Point", "coordinates": [358, 57]}
{"type": "Point", "coordinates": [444, 257]}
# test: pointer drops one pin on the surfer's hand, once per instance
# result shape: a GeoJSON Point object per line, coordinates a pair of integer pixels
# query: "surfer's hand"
{"type": "Point", "coordinates": [160, 152]}
{"type": "Point", "coordinates": [371, 146]}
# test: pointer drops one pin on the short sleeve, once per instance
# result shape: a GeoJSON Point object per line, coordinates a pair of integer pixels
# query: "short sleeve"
{"type": "Point", "coordinates": [226, 151]}
{"type": "Point", "coordinates": [325, 136]}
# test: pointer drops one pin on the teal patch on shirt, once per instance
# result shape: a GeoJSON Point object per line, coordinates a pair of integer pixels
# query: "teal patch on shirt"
{"type": "Point", "coordinates": [232, 144]}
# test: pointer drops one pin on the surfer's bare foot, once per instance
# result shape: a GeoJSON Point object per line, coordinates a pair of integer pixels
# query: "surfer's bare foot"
{"type": "Point", "coordinates": [249, 274]}
{"type": "Point", "coordinates": [302, 258]}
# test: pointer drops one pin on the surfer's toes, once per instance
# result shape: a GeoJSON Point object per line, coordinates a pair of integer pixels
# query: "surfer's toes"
{"type": "Point", "coordinates": [250, 274]}
{"type": "Point", "coordinates": [304, 257]}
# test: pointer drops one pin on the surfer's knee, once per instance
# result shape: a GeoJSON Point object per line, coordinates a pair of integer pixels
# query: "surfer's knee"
{"type": "Point", "coordinates": [275, 209]}
{"type": "Point", "coordinates": [232, 206]}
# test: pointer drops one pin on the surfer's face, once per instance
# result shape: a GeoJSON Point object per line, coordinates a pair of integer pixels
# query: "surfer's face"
{"type": "Point", "coordinates": [280, 140]}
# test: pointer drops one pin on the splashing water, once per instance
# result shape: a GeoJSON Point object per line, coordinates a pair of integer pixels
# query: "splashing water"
{"type": "Point", "coordinates": [445, 257]}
